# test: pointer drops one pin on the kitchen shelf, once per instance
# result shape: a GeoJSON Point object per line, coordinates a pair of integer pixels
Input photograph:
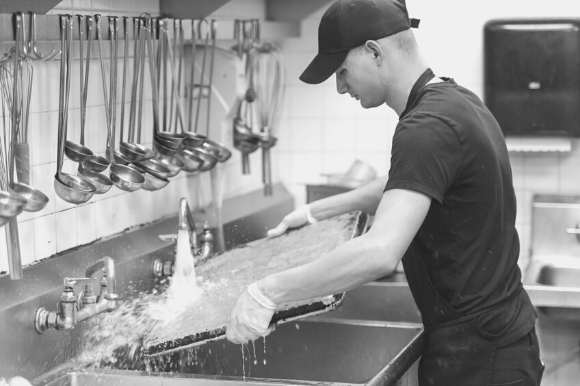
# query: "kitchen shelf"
{"type": "Point", "coordinates": [38, 6]}
{"type": "Point", "coordinates": [282, 17]}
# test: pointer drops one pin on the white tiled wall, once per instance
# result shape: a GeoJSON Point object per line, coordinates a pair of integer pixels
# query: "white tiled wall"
{"type": "Point", "coordinates": [61, 225]}
{"type": "Point", "coordinates": [323, 131]}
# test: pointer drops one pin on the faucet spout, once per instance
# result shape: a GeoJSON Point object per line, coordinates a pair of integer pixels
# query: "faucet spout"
{"type": "Point", "coordinates": [186, 222]}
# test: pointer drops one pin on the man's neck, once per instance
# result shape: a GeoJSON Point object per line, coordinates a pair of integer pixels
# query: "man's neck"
{"type": "Point", "coordinates": [402, 90]}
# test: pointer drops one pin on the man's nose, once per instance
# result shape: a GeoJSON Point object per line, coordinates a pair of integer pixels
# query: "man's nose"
{"type": "Point", "coordinates": [340, 85]}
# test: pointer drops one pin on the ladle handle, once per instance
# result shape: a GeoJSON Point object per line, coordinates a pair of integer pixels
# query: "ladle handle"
{"type": "Point", "coordinates": [153, 74]}
{"type": "Point", "coordinates": [62, 86]}
{"type": "Point", "coordinates": [192, 78]}
{"type": "Point", "coordinates": [85, 86]}
{"type": "Point", "coordinates": [141, 79]}
{"type": "Point", "coordinates": [124, 80]}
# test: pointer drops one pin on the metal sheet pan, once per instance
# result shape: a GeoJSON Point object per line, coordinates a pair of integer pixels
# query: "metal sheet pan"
{"type": "Point", "coordinates": [359, 226]}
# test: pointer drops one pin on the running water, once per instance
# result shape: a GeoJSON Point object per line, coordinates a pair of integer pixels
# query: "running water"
{"type": "Point", "coordinates": [243, 363]}
{"type": "Point", "coordinates": [184, 259]}
{"type": "Point", "coordinates": [254, 350]}
{"type": "Point", "coordinates": [264, 343]}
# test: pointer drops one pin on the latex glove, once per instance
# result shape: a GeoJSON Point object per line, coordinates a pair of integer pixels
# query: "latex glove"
{"type": "Point", "coordinates": [251, 316]}
{"type": "Point", "coordinates": [297, 218]}
{"type": "Point", "coordinates": [18, 381]}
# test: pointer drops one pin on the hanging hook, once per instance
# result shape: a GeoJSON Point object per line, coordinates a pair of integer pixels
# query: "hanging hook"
{"type": "Point", "coordinates": [31, 47]}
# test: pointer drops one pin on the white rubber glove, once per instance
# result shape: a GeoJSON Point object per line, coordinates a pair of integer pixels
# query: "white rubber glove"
{"type": "Point", "coordinates": [18, 381]}
{"type": "Point", "coordinates": [251, 316]}
{"type": "Point", "coordinates": [297, 218]}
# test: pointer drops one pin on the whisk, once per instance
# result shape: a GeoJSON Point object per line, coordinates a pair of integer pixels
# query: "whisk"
{"type": "Point", "coordinates": [268, 73]}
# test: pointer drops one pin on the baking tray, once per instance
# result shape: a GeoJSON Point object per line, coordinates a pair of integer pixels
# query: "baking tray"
{"type": "Point", "coordinates": [359, 226]}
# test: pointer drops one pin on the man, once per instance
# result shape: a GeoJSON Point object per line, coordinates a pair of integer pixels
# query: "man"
{"type": "Point", "coordinates": [447, 209]}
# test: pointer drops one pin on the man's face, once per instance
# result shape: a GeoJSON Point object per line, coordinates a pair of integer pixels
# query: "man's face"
{"type": "Point", "coordinates": [358, 75]}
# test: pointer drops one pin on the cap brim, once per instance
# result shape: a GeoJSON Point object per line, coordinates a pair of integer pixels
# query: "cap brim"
{"type": "Point", "coordinates": [322, 67]}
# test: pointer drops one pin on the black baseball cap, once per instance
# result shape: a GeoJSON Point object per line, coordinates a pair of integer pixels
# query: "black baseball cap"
{"type": "Point", "coordinates": [347, 24]}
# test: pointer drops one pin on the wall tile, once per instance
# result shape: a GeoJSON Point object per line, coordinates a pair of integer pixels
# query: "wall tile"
{"type": "Point", "coordinates": [26, 235]}
{"type": "Point", "coordinates": [86, 225]}
{"type": "Point", "coordinates": [45, 236]}
{"type": "Point", "coordinates": [66, 235]}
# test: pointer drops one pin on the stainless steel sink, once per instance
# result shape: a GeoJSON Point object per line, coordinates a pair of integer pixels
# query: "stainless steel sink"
{"type": "Point", "coordinates": [381, 300]}
{"type": "Point", "coordinates": [335, 350]}
{"type": "Point", "coordinates": [554, 287]}
{"type": "Point", "coordinates": [131, 378]}
{"type": "Point", "coordinates": [559, 276]}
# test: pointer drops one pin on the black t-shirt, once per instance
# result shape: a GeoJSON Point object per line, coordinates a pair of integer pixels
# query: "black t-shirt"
{"type": "Point", "coordinates": [448, 146]}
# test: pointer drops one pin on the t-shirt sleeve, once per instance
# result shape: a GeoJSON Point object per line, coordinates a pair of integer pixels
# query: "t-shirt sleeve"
{"type": "Point", "coordinates": [426, 156]}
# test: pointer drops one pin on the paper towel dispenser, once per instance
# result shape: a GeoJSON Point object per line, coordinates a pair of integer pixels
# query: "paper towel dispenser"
{"type": "Point", "coordinates": [532, 76]}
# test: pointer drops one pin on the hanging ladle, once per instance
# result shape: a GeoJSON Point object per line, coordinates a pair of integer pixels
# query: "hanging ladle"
{"type": "Point", "coordinates": [193, 154]}
{"type": "Point", "coordinates": [124, 176]}
{"type": "Point", "coordinates": [132, 151]}
{"type": "Point", "coordinates": [78, 151]}
{"type": "Point", "coordinates": [94, 163]}
{"type": "Point", "coordinates": [70, 188]}
{"type": "Point", "coordinates": [35, 200]}
{"type": "Point", "coordinates": [170, 142]}
{"type": "Point", "coordinates": [86, 167]}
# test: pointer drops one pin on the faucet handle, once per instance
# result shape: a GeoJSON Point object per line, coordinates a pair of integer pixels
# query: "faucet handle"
{"type": "Point", "coordinates": [70, 282]}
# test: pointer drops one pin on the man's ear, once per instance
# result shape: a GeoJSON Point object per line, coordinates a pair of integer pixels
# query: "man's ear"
{"type": "Point", "coordinates": [375, 49]}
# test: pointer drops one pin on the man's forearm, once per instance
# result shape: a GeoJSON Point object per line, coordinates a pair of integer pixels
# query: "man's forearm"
{"type": "Point", "coordinates": [366, 198]}
{"type": "Point", "coordinates": [354, 263]}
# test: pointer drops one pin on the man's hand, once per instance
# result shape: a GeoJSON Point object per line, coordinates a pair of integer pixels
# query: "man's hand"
{"type": "Point", "coordinates": [250, 317]}
{"type": "Point", "coordinates": [297, 218]}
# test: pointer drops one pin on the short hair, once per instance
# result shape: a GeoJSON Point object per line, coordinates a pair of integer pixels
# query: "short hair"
{"type": "Point", "coordinates": [403, 41]}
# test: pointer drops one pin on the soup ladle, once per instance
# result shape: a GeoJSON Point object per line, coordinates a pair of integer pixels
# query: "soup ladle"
{"type": "Point", "coordinates": [124, 176]}
{"type": "Point", "coordinates": [70, 188]}
{"type": "Point", "coordinates": [78, 151]}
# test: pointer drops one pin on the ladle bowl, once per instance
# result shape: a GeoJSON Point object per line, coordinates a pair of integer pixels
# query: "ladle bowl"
{"type": "Point", "coordinates": [95, 164]}
{"type": "Point", "coordinates": [35, 199]}
{"type": "Point", "coordinates": [208, 159]}
{"type": "Point", "coordinates": [221, 152]}
{"type": "Point", "coordinates": [120, 159]}
{"type": "Point", "coordinates": [165, 150]}
{"type": "Point", "coordinates": [192, 139]}
{"type": "Point", "coordinates": [126, 177]}
{"type": "Point", "coordinates": [191, 161]}
{"type": "Point", "coordinates": [11, 204]}
{"type": "Point", "coordinates": [170, 140]}
{"type": "Point", "coordinates": [153, 166]}
{"type": "Point", "coordinates": [76, 152]}
{"type": "Point", "coordinates": [135, 152]}
{"type": "Point", "coordinates": [153, 181]}
{"type": "Point", "coordinates": [101, 182]}
{"type": "Point", "coordinates": [73, 189]}
{"type": "Point", "coordinates": [173, 164]}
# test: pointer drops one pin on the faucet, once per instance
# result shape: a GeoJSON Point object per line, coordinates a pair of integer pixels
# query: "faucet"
{"type": "Point", "coordinates": [202, 244]}
{"type": "Point", "coordinates": [73, 307]}
{"type": "Point", "coordinates": [186, 222]}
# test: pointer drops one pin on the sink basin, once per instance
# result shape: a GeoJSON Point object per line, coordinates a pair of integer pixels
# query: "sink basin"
{"type": "Point", "coordinates": [130, 378]}
{"type": "Point", "coordinates": [336, 350]}
{"type": "Point", "coordinates": [554, 287]}
{"type": "Point", "coordinates": [383, 301]}
{"type": "Point", "coordinates": [559, 276]}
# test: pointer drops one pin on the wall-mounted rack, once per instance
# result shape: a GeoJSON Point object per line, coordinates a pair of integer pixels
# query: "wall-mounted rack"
{"type": "Point", "coordinates": [47, 27]}
{"type": "Point", "coordinates": [281, 18]}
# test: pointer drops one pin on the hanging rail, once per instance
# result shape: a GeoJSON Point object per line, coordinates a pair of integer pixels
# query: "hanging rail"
{"type": "Point", "coordinates": [47, 29]}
